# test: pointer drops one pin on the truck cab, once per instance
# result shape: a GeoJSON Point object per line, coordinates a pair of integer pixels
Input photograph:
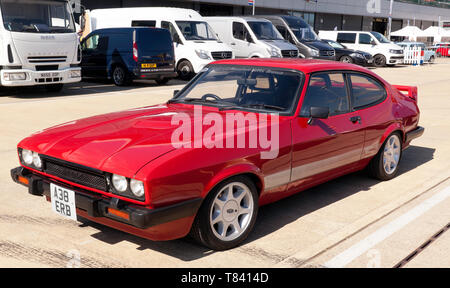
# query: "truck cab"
{"type": "Point", "coordinates": [39, 44]}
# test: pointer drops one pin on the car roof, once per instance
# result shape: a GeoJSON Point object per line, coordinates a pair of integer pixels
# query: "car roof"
{"type": "Point", "coordinates": [304, 65]}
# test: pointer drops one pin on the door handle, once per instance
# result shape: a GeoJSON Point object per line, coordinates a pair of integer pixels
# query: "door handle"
{"type": "Point", "coordinates": [355, 119]}
{"type": "Point", "coordinates": [233, 43]}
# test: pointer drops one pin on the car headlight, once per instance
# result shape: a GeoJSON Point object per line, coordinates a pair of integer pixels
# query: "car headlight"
{"type": "Point", "coordinates": [137, 187]}
{"type": "Point", "coordinates": [37, 162]}
{"type": "Point", "coordinates": [273, 52]}
{"type": "Point", "coordinates": [314, 52]}
{"type": "Point", "coordinates": [27, 157]}
{"type": "Point", "coordinates": [203, 54]}
{"type": "Point", "coordinates": [120, 183]}
{"type": "Point", "coordinates": [15, 76]}
{"type": "Point", "coordinates": [75, 74]}
{"type": "Point", "coordinates": [392, 51]}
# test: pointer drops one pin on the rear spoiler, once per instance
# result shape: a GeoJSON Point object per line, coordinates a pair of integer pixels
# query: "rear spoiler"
{"type": "Point", "coordinates": [411, 91]}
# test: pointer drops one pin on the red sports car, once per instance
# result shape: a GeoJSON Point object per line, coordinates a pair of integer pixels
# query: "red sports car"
{"type": "Point", "coordinates": [241, 134]}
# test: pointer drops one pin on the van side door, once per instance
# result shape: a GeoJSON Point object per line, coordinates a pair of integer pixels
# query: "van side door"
{"type": "Point", "coordinates": [94, 55]}
{"type": "Point", "coordinates": [367, 43]}
{"type": "Point", "coordinates": [242, 41]}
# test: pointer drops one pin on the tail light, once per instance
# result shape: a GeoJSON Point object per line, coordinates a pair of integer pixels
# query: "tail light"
{"type": "Point", "coordinates": [135, 52]}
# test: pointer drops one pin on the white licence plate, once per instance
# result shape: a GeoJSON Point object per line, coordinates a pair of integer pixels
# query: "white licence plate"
{"type": "Point", "coordinates": [63, 201]}
{"type": "Point", "coordinates": [46, 75]}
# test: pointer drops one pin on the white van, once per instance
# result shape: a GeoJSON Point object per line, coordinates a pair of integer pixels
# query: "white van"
{"type": "Point", "coordinates": [39, 44]}
{"type": "Point", "coordinates": [196, 44]}
{"type": "Point", "coordinates": [252, 37]}
{"type": "Point", "coordinates": [383, 51]}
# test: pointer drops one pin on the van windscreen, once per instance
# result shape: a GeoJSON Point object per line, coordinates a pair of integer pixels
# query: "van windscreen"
{"type": "Point", "coordinates": [153, 40]}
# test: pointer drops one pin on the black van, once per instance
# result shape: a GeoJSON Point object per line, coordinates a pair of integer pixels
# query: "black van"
{"type": "Point", "coordinates": [298, 32]}
{"type": "Point", "coordinates": [125, 54]}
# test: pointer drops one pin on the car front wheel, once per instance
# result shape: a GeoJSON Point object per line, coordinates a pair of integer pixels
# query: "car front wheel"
{"type": "Point", "coordinates": [385, 164]}
{"type": "Point", "coordinates": [228, 214]}
{"type": "Point", "coordinates": [346, 59]}
{"type": "Point", "coordinates": [379, 60]}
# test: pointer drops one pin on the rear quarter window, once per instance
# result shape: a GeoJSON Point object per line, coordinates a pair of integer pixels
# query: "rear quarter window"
{"type": "Point", "coordinates": [366, 91]}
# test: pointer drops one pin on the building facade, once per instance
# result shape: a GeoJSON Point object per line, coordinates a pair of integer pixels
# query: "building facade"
{"type": "Point", "coordinates": [320, 14]}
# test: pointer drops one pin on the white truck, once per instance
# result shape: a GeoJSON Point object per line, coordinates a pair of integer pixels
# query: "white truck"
{"type": "Point", "coordinates": [196, 44]}
{"type": "Point", "coordinates": [38, 44]}
{"type": "Point", "coordinates": [383, 51]}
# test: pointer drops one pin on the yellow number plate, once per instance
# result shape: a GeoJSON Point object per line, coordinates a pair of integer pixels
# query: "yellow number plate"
{"type": "Point", "coordinates": [148, 65]}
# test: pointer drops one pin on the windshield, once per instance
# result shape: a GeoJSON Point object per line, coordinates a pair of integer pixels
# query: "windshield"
{"type": "Point", "coordinates": [244, 87]}
{"type": "Point", "coordinates": [380, 37]}
{"type": "Point", "coordinates": [302, 30]}
{"type": "Point", "coordinates": [196, 30]}
{"type": "Point", "coordinates": [335, 44]}
{"type": "Point", "coordinates": [265, 30]}
{"type": "Point", "coordinates": [37, 16]}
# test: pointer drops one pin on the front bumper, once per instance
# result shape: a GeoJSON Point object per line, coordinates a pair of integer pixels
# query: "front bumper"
{"type": "Point", "coordinates": [96, 206]}
{"type": "Point", "coordinates": [395, 59]}
{"type": "Point", "coordinates": [40, 77]}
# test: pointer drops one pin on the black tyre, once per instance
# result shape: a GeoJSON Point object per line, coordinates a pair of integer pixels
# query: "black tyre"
{"type": "Point", "coordinates": [384, 166]}
{"type": "Point", "coordinates": [120, 76]}
{"type": "Point", "coordinates": [346, 59]}
{"type": "Point", "coordinates": [379, 60]}
{"type": "Point", "coordinates": [162, 81]}
{"type": "Point", "coordinates": [53, 88]}
{"type": "Point", "coordinates": [227, 215]}
{"type": "Point", "coordinates": [185, 70]}
{"type": "Point", "coordinates": [432, 59]}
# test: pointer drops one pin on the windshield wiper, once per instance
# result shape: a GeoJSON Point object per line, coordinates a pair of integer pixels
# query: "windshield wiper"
{"type": "Point", "coordinates": [257, 106]}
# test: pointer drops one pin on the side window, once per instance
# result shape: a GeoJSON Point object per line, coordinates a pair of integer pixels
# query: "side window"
{"type": "Point", "coordinates": [285, 33]}
{"type": "Point", "coordinates": [365, 39]}
{"type": "Point", "coordinates": [169, 26]}
{"type": "Point", "coordinates": [349, 38]}
{"type": "Point", "coordinates": [143, 23]}
{"type": "Point", "coordinates": [326, 90]}
{"type": "Point", "coordinates": [239, 31]}
{"type": "Point", "coordinates": [90, 43]}
{"type": "Point", "coordinates": [366, 91]}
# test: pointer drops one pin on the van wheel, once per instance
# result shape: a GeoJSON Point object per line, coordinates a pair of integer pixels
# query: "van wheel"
{"type": "Point", "coordinates": [185, 70]}
{"type": "Point", "coordinates": [162, 81]}
{"type": "Point", "coordinates": [379, 60]}
{"type": "Point", "coordinates": [346, 59]}
{"type": "Point", "coordinates": [54, 88]}
{"type": "Point", "coordinates": [384, 166]}
{"type": "Point", "coordinates": [120, 76]}
{"type": "Point", "coordinates": [227, 215]}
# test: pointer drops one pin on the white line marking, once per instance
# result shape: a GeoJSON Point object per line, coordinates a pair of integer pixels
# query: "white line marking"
{"type": "Point", "coordinates": [347, 256]}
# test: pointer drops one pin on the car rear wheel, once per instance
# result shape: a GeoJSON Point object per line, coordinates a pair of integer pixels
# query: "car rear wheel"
{"type": "Point", "coordinates": [385, 164]}
{"type": "Point", "coordinates": [379, 60]}
{"type": "Point", "coordinates": [346, 59]}
{"type": "Point", "coordinates": [120, 76]}
{"type": "Point", "coordinates": [185, 70]}
{"type": "Point", "coordinates": [228, 214]}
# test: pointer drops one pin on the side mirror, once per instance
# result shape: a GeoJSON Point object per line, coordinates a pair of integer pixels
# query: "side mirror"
{"type": "Point", "coordinates": [177, 39]}
{"type": "Point", "coordinates": [319, 112]}
{"type": "Point", "coordinates": [175, 92]}
{"type": "Point", "coordinates": [372, 42]}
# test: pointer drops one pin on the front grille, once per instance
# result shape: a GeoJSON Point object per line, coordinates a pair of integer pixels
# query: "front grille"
{"type": "Point", "coordinates": [222, 55]}
{"type": "Point", "coordinates": [46, 67]}
{"type": "Point", "coordinates": [76, 175]}
{"type": "Point", "coordinates": [329, 53]}
{"type": "Point", "coordinates": [289, 53]}
{"type": "Point", "coordinates": [46, 59]}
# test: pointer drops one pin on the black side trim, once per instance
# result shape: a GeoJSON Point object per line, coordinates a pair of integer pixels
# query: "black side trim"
{"type": "Point", "coordinates": [10, 55]}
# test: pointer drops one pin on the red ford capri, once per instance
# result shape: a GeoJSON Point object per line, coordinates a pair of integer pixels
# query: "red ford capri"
{"type": "Point", "coordinates": [241, 134]}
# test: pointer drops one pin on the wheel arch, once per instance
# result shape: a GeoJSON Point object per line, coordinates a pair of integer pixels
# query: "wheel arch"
{"type": "Point", "coordinates": [393, 128]}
